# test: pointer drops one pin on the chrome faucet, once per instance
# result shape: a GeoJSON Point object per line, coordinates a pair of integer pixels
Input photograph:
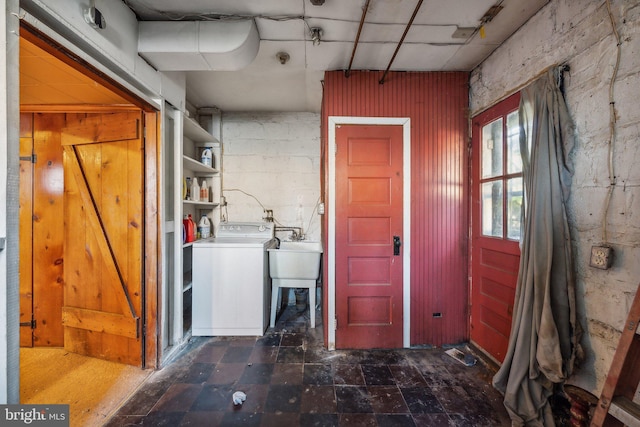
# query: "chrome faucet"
{"type": "Point", "coordinates": [296, 232]}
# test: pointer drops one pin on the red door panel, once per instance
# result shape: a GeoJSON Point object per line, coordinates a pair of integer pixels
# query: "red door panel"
{"type": "Point", "coordinates": [368, 216]}
{"type": "Point", "coordinates": [495, 259]}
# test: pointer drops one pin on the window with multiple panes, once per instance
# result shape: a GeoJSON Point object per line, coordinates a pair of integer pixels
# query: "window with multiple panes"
{"type": "Point", "coordinates": [501, 186]}
{"type": "Point", "coordinates": [496, 211]}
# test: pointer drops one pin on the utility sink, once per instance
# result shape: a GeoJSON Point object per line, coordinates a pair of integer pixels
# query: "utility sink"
{"type": "Point", "coordinates": [296, 264]}
{"type": "Point", "coordinates": [295, 260]}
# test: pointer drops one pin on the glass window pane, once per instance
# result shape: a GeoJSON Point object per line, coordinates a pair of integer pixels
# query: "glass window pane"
{"type": "Point", "coordinates": [514, 160]}
{"type": "Point", "coordinates": [514, 208]}
{"type": "Point", "coordinates": [492, 208]}
{"type": "Point", "coordinates": [492, 149]}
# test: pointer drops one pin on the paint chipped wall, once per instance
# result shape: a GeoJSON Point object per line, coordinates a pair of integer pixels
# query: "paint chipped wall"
{"type": "Point", "coordinates": [274, 157]}
{"type": "Point", "coordinates": [579, 33]}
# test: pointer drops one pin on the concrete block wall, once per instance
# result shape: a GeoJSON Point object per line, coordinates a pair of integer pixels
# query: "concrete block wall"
{"type": "Point", "coordinates": [579, 33]}
{"type": "Point", "coordinates": [275, 158]}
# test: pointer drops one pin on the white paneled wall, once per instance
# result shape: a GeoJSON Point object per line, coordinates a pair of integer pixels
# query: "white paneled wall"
{"type": "Point", "coordinates": [274, 158]}
{"type": "Point", "coordinates": [579, 33]}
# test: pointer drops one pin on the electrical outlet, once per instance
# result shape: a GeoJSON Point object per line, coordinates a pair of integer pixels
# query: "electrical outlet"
{"type": "Point", "coordinates": [601, 257]}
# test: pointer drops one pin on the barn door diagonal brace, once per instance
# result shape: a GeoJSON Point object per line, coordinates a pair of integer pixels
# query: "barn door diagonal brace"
{"type": "Point", "coordinates": [89, 201]}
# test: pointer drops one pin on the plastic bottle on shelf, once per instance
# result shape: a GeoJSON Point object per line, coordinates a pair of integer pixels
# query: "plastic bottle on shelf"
{"type": "Point", "coordinates": [193, 229]}
{"type": "Point", "coordinates": [204, 227]}
{"type": "Point", "coordinates": [195, 190]}
{"type": "Point", "coordinates": [207, 157]}
{"type": "Point", "coordinates": [187, 222]}
{"type": "Point", "coordinates": [204, 192]}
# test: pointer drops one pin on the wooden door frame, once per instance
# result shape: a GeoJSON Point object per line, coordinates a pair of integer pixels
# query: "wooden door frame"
{"type": "Point", "coordinates": [152, 251]}
{"type": "Point", "coordinates": [405, 122]}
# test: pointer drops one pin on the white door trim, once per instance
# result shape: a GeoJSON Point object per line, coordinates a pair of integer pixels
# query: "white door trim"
{"type": "Point", "coordinates": [405, 122]}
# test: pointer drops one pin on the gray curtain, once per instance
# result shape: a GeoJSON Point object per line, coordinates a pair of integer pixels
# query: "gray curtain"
{"type": "Point", "coordinates": [544, 333]}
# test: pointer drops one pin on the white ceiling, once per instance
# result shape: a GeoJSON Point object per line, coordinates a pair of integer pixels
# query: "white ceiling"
{"type": "Point", "coordinates": [284, 26]}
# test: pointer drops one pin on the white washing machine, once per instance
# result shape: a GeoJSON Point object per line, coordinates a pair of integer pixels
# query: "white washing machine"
{"type": "Point", "coordinates": [231, 284]}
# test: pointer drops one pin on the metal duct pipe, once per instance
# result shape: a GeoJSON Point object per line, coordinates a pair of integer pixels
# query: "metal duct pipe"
{"type": "Point", "coordinates": [355, 45]}
{"type": "Point", "coordinates": [406, 30]}
{"type": "Point", "coordinates": [198, 45]}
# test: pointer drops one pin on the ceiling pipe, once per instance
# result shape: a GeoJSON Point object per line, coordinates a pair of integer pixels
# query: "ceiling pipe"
{"type": "Point", "coordinates": [406, 30]}
{"type": "Point", "coordinates": [347, 73]}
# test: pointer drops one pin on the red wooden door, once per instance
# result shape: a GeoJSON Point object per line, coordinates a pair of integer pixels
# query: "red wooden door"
{"type": "Point", "coordinates": [369, 176]}
{"type": "Point", "coordinates": [496, 214]}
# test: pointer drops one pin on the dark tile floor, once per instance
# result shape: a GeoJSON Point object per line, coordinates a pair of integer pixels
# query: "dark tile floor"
{"type": "Point", "coordinates": [291, 380]}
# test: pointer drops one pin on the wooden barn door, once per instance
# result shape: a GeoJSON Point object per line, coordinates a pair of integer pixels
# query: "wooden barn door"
{"type": "Point", "coordinates": [26, 231]}
{"type": "Point", "coordinates": [103, 236]}
{"type": "Point", "coordinates": [41, 225]}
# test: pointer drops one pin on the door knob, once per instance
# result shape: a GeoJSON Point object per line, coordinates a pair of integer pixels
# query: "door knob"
{"type": "Point", "coordinates": [396, 245]}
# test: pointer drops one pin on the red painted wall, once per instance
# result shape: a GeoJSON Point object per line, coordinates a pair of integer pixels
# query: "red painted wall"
{"type": "Point", "coordinates": [437, 104]}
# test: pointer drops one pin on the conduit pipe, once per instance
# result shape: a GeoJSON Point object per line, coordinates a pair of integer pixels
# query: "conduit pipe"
{"type": "Point", "coordinates": [406, 30]}
{"type": "Point", "coordinates": [355, 45]}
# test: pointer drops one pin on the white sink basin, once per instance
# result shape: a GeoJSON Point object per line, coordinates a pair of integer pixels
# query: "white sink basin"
{"type": "Point", "coordinates": [295, 260]}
